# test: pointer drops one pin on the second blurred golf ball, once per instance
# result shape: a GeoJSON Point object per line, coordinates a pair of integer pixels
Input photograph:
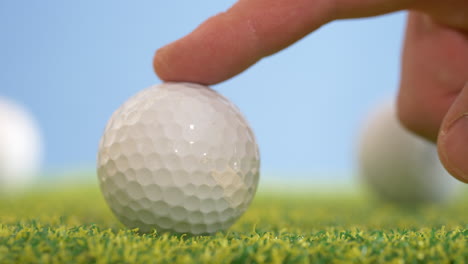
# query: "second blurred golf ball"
{"type": "Point", "coordinates": [399, 166]}
{"type": "Point", "coordinates": [20, 147]}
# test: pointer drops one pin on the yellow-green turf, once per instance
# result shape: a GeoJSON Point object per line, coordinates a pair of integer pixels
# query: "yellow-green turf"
{"type": "Point", "coordinates": [74, 225]}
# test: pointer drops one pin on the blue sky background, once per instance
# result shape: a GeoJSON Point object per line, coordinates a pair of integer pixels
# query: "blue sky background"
{"type": "Point", "coordinates": [74, 62]}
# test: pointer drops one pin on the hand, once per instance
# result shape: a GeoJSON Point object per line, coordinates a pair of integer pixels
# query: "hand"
{"type": "Point", "coordinates": [433, 96]}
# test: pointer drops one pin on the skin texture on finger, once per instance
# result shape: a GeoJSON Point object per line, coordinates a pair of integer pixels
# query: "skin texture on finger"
{"type": "Point", "coordinates": [344, 9]}
{"type": "Point", "coordinates": [434, 69]}
{"type": "Point", "coordinates": [209, 54]}
{"type": "Point", "coordinates": [230, 42]}
{"type": "Point", "coordinates": [453, 138]}
{"type": "Point", "coordinates": [451, 13]}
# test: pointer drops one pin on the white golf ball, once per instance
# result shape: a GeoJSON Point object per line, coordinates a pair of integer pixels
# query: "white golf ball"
{"type": "Point", "coordinates": [178, 157]}
{"type": "Point", "coordinates": [399, 166]}
{"type": "Point", "coordinates": [20, 147]}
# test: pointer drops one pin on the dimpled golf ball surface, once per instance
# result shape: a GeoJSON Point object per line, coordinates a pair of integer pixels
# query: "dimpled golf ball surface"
{"type": "Point", "coordinates": [178, 157]}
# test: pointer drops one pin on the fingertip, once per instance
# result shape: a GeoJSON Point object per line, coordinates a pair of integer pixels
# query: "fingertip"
{"type": "Point", "coordinates": [230, 42]}
{"type": "Point", "coordinates": [453, 138]}
{"type": "Point", "coordinates": [171, 68]}
{"type": "Point", "coordinates": [160, 66]}
{"type": "Point", "coordinates": [190, 59]}
{"type": "Point", "coordinates": [453, 149]}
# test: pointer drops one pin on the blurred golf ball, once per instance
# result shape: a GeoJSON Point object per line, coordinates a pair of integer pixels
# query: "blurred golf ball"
{"type": "Point", "coordinates": [399, 166]}
{"type": "Point", "coordinates": [20, 147]}
{"type": "Point", "coordinates": [178, 157]}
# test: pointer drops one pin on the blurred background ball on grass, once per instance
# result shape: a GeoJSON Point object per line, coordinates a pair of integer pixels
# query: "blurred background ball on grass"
{"type": "Point", "coordinates": [398, 166]}
{"type": "Point", "coordinates": [178, 157]}
{"type": "Point", "coordinates": [20, 147]}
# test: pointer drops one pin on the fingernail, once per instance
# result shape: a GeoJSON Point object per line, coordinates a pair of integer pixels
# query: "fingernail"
{"type": "Point", "coordinates": [455, 147]}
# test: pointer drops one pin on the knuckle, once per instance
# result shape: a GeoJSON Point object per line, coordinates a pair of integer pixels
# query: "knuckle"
{"type": "Point", "coordinates": [416, 118]}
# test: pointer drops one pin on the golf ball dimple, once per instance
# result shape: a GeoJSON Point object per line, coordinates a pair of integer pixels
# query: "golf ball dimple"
{"type": "Point", "coordinates": [178, 157]}
{"type": "Point", "coordinates": [20, 147]}
{"type": "Point", "coordinates": [399, 166]}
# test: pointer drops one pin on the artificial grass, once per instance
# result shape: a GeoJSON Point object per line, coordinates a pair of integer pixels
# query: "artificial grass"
{"type": "Point", "coordinates": [74, 225]}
